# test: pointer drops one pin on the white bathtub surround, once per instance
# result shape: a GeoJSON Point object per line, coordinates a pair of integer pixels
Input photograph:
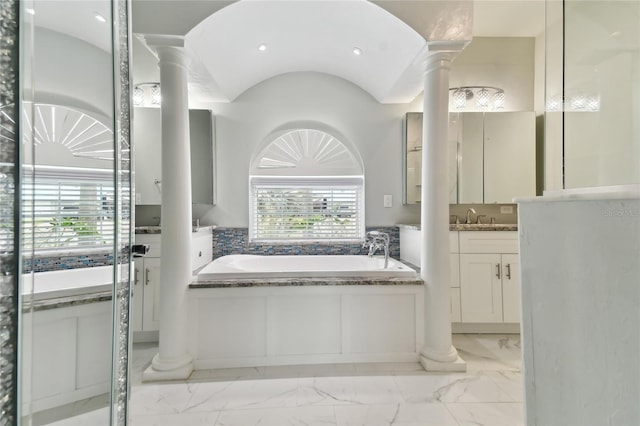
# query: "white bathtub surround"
{"type": "Point", "coordinates": [258, 321]}
{"type": "Point", "coordinates": [579, 256]}
{"type": "Point", "coordinates": [438, 353]}
{"type": "Point", "coordinates": [173, 360]}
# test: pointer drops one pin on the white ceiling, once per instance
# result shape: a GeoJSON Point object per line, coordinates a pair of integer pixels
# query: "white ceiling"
{"type": "Point", "coordinates": [305, 36]}
{"type": "Point", "coordinates": [302, 35]}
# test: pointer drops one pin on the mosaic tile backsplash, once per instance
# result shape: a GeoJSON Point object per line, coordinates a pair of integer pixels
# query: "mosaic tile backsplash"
{"type": "Point", "coordinates": [56, 263]}
{"type": "Point", "coordinates": [236, 241]}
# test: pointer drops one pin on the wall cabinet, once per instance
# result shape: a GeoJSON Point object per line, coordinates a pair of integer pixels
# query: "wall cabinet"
{"type": "Point", "coordinates": [489, 277]}
{"type": "Point", "coordinates": [148, 156]}
{"type": "Point", "coordinates": [492, 157]}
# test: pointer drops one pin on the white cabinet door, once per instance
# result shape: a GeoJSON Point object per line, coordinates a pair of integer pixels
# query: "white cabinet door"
{"type": "Point", "coordinates": [454, 270]}
{"type": "Point", "coordinates": [151, 310]}
{"type": "Point", "coordinates": [480, 287]}
{"type": "Point", "coordinates": [137, 295]}
{"type": "Point", "coordinates": [511, 287]}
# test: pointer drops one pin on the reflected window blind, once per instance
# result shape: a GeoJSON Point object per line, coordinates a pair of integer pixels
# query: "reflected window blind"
{"type": "Point", "coordinates": [67, 208]}
{"type": "Point", "coordinates": [307, 209]}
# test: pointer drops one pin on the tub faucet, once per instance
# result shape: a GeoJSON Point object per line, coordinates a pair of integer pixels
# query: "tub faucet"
{"type": "Point", "coordinates": [469, 211]}
{"type": "Point", "coordinates": [377, 240]}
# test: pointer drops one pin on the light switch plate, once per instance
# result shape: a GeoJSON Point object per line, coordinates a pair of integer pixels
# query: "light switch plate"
{"type": "Point", "coordinates": [388, 200]}
{"type": "Point", "coordinates": [506, 209]}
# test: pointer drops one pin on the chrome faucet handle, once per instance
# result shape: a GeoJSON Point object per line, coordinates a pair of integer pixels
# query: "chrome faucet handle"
{"type": "Point", "coordinates": [455, 219]}
{"type": "Point", "coordinates": [478, 221]}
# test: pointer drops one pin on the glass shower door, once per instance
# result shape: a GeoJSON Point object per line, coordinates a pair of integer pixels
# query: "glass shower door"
{"type": "Point", "coordinates": [74, 210]}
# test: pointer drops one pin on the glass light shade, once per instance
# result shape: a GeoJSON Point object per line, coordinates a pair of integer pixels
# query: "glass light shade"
{"type": "Point", "coordinates": [482, 98]}
{"type": "Point", "coordinates": [593, 103]}
{"type": "Point", "coordinates": [498, 100]}
{"type": "Point", "coordinates": [155, 94]}
{"type": "Point", "coordinates": [138, 96]}
{"type": "Point", "coordinates": [459, 99]}
{"type": "Point", "coordinates": [578, 102]}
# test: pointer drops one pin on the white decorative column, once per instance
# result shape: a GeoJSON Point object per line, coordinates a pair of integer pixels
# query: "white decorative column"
{"type": "Point", "coordinates": [438, 353]}
{"type": "Point", "coordinates": [173, 360]}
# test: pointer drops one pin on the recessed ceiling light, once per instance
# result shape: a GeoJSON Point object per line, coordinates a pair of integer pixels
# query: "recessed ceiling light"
{"type": "Point", "coordinates": [357, 51]}
{"type": "Point", "coordinates": [262, 47]}
{"type": "Point", "coordinates": [100, 17]}
{"type": "Point", "coordinates": [30, 11]}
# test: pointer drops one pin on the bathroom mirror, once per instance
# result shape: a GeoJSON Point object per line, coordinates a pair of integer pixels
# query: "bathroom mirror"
{"type": "Point", "coordinates": [492, 157]}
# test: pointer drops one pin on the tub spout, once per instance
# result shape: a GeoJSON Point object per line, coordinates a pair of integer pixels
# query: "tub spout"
{"type": "Point", "coordinates": [377, 240]}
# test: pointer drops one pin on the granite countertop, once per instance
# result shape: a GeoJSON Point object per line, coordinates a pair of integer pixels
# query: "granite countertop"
{"type": "Point", "coordinates": [469, 227]}
{"type": "Point", "coordinates": [67, 301]}
{"type": "Point", "coordinates": [301, 282]}
{"type": "Point", "coordinates": [158, 229]}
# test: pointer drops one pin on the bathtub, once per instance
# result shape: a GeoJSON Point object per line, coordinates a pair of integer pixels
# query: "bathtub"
{"type": "Point", "coordinates": [243, 266]}
{"type": "Point", "coordinates": [68, 282]}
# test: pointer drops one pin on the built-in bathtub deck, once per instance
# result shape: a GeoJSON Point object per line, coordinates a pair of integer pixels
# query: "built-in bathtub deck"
{"type": "Point", "coordinates": [302, 282]}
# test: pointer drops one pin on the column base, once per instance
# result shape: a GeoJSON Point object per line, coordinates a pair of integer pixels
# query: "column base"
{"type": "Point", "coordinates": [457, 365]}
{"type": "Point", "coordinates": [160, 370]}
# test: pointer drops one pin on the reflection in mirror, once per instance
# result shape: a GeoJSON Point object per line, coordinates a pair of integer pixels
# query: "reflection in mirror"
{"type": "Point", "coordinates": [68, 204]}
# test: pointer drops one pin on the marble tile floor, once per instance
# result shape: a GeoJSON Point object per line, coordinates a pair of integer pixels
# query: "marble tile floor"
{"type": "Point", "coordinates": [489, 393]}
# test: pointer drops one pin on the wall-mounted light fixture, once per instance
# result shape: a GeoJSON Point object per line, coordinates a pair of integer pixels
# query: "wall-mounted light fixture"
{"type": "Point", "coordinates": [146, 95]}
{"type": "Point", "coordinates": [486, 97]}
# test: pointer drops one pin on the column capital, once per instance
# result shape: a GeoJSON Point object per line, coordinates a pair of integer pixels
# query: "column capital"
{"type": "Point", "coordinates": [442, 53]}
{"type": "Point", "coordinates": [169, 49]}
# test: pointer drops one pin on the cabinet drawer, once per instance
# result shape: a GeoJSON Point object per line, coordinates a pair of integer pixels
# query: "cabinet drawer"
{"type": "Point", "coordinates": [488, 242]}
{"type": "Point", "coordinates": [154, 243]}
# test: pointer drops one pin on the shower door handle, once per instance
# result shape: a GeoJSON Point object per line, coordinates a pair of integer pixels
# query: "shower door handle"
{"type": "Point", "coordinates": [146, 278]}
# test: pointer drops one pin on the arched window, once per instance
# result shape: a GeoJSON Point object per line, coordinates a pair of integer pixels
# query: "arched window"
{"type": "Point", "coordinates": [306, 185]}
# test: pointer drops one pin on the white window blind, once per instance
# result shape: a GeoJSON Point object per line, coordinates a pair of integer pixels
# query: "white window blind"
{"type": "Point", "coordinates": [67, 208]}
{"type": "Point", "coordinates": [306, 209]}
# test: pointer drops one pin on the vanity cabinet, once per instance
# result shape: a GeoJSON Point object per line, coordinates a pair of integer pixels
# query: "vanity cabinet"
{"type": "Point", "coordinates": [489, 277]}
{"type": "Point", "coordinates": [147, 133]}
{"type": "Point", "coordinates": [145, 313]}
{"type": "Point", "coordinates": [410, 252]}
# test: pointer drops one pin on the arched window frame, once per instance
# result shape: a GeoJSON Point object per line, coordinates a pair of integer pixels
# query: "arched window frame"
{"type": "Point", "coordinates": [306, 185]}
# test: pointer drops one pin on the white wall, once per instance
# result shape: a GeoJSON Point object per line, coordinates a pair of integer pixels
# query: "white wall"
{"type": "Point", "coordinates": [374, 129]}
{"type": "Point", "coordinates": [505, 62]}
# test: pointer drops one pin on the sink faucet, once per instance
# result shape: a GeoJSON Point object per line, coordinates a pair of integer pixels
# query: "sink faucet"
{"type": "Point", "coordinates": [377, 240]}
{"type": "Point", "coordinates": [469, 211]}
{"type": "Point", "coordinates": [478, 221]}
